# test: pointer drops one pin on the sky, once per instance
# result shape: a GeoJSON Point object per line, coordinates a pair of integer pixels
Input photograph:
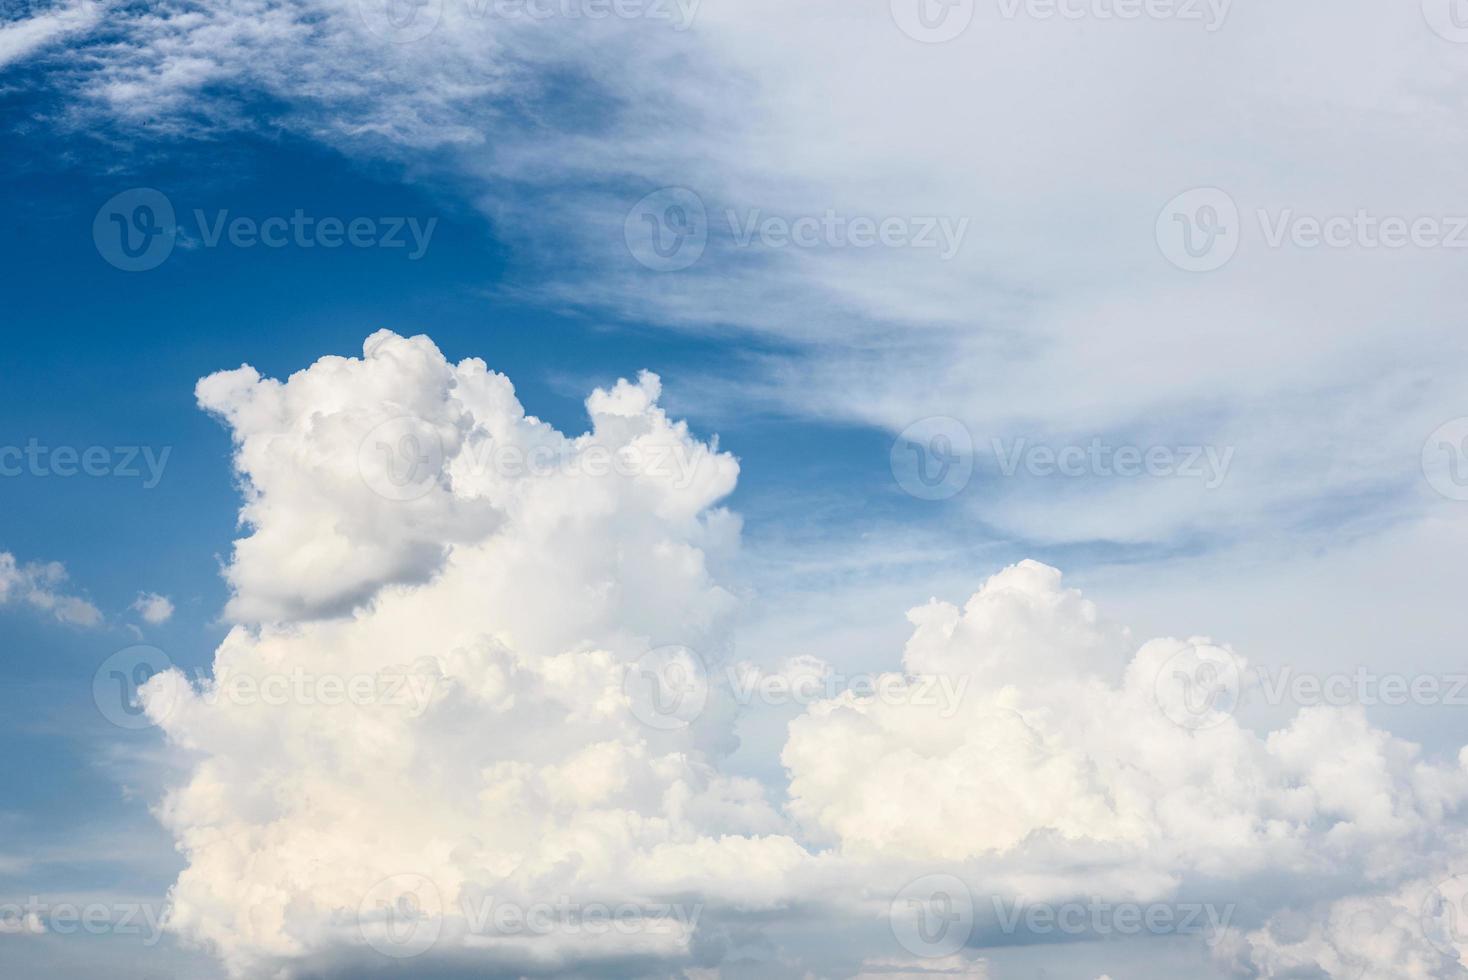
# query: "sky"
{"type": "Point", "coordinates": [679, 488]}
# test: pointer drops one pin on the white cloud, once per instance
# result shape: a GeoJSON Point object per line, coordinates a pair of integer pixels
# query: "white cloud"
{"type": "Point", "coordinates": [26, 36]}
{"type": "Point", "coordinates": [1059, 321]}
{"type": "Point", "coordinates": [154, 608]}
{"type": "Point", "coordinates": [525, 776]}
{"type": "Point", "coordinates": [523, 771]}
{"type": "Point", "coordinates": [39, 585]}
{"type": "Point", "coordinates": [1060, 738]}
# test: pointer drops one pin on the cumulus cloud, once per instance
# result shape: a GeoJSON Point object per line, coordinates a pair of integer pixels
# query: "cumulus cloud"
{"type": "Point", "coordinates": [40, 585]}
{"type": "Point", "coordinates": [1411, 933]}
{"type": "Point", "coordinates": [485, 749]}
{"type": "Point", "coordinates": [517, 583]}
{"type": "Point", "coordinates": [154, 608]}
{"type": "Point", "coordinates": [1077, 766]}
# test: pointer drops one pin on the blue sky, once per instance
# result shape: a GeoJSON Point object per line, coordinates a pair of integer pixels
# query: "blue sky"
{"type": "Point", "coordinates": [1035, 192]}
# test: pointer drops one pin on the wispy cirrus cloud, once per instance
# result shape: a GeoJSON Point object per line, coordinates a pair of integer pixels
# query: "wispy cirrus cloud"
{"type": "Point", "coordinates": [1056, 145]}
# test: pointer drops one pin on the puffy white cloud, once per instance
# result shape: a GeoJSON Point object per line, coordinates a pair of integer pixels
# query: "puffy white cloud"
{"type": "Point", "coordinates": [154, 608]}
{"type": "Point", "coordinates": [39, 585]}
{"type": "Point", "coordinates": [454, 729]}
{"type": "Point", "coordinates": [1411, 933]}
{"type": "Point", "coordinates": [1066, 770]}
{"type": "Point", "coordinates": [492, 611]}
